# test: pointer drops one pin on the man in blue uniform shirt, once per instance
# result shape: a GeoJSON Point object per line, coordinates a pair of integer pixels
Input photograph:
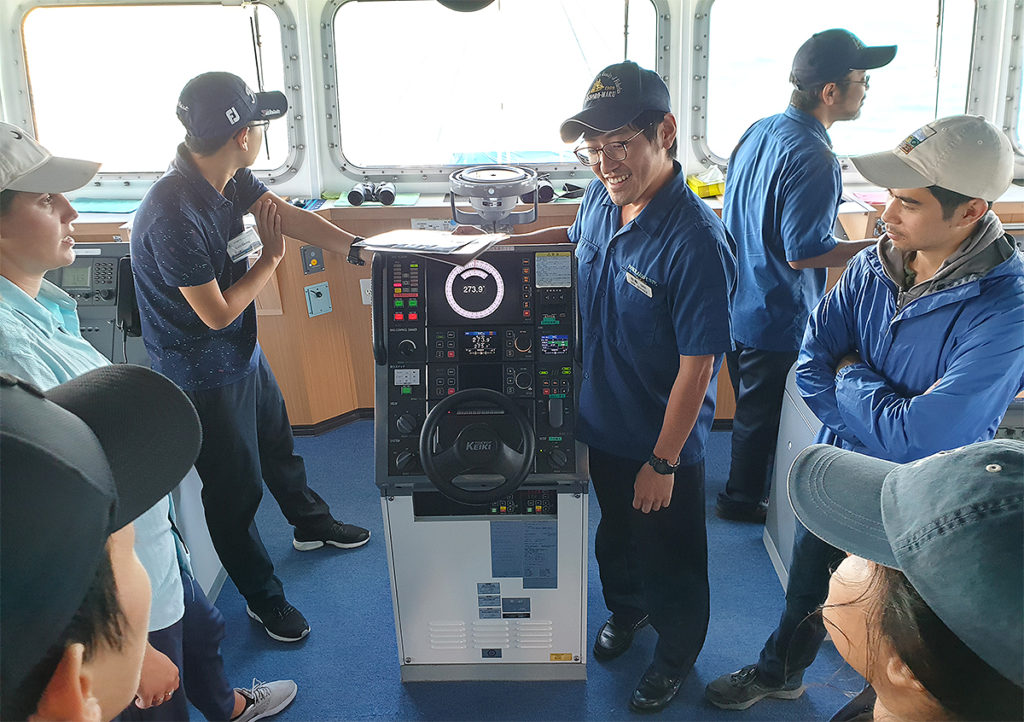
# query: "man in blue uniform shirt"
{"type": "Point", "coordinates": [781, 196]}
{"type": "Point", "coordinates": [196, 296]}
{"type": "Point", "coordinates": [918, 349]}
{"type": "Point", "coordinates": [656, 274]}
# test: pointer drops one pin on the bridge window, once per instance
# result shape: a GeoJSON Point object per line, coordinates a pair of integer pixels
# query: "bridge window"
{"type": "Point", "coordinates": [104, 79]}
{"type": "Point", "coordinates": [417, 84]}
{"type": "Point", "coordinates": [748, 71]}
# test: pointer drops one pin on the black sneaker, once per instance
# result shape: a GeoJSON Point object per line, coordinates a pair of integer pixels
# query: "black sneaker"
{"type": "Point", "coordinates": [343, 536]}
{"type": "Point", "coordinates": [743, 688]}
{"type": "Point", "coordinates": [282, 621]}
{"type": "Point", "coordinates": [733, 510]}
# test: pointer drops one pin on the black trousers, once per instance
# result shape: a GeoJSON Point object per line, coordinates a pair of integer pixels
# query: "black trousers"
{"type": "Point", "coordinates": [654, 563]}
{"type": "Point", "coordinates": [247, 440]}
{"type": "Point", "coordinates": [759, 382]}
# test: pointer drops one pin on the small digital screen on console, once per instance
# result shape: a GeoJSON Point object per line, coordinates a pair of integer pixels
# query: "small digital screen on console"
{"type": "Point", "coordinates": [480, 376]}
{"type": "Point", "coordinates": [76, 277]}
{"type": "Point", "coordinates": [554, 345]}
{"type": "Point", "coordinates": [554, 270]}
{"type": "Point", "coordinates": [480, 344]}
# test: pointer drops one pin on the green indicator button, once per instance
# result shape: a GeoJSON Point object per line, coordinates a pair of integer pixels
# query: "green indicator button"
{"type": "Point", "coordinates": [399, 302]}
{"type": "Point", "coordinates": [406, 390]}
{"type": "Point", "coordinates": [413, 303]}
{"type": "Point", "coordinates": [554, 438]}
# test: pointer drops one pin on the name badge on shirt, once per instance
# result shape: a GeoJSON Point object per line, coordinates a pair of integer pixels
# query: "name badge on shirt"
{"type": "Point", "coordinates": [244, 244]}
{"type": "Point", "coordinates": [636, 282]}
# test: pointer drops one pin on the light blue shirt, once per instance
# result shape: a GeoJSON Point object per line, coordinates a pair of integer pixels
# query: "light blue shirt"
{"type": "Point", "coordinates": [40, 341]}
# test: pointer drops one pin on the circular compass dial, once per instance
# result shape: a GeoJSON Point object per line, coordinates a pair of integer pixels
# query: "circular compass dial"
{"type": "Point", "coordinates": [474, 290]}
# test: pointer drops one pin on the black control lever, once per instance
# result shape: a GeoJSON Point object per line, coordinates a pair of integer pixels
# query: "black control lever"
{"type": "Point", "coordinates": [380, 352]}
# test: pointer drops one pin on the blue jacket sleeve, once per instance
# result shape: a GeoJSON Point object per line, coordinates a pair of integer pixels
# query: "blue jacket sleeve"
{"type": "Point", "coordinates": [984, 372]}
{"type": "Point", "coordinates": [828, 337]}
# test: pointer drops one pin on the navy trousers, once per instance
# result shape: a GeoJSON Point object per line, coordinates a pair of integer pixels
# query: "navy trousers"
{"type": "Point", "coordinates": [795, 642]}
{"type": "Point", "coordinates": [193, 644]}
{"type": "Point", "coordinates": [247, 440]}
{"type": "Point", "coordinates": [759, 381]}
{"type": "Point", "coordinates": [654, 563]}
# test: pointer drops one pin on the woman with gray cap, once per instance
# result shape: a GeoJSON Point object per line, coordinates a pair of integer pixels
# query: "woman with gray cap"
{"type": "Point", "coordinates": [929, 604]}
{"type": "Point", "coordinates": [40, 341]}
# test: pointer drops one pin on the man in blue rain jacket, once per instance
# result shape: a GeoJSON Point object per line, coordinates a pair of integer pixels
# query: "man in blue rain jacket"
{"type": "Point", "coordinates": [918, 349]}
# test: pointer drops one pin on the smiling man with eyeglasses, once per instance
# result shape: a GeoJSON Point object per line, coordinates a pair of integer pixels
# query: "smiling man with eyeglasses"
{"type": "Point", "coordinates": [656, 273]}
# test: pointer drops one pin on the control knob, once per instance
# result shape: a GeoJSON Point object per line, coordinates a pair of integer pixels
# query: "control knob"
{"type": "Point", "coordinates": [559, 458]}
{"type": "Point", "coordinates": [405, 460]}
{"type": "Point", "coordinates": [523, 380]}
{"type": "Point", "coordinates": [523, 343]}
{"type": "Point", "coordinates": [407, 347]}
{"type": "Point", "coordinates": [407, 424]}
{"type": "Point", "coordinates": [106, 294]}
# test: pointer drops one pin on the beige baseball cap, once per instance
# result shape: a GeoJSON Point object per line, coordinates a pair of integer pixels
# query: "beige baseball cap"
{"type": "Point", "coordinates": [962, 153]}
{"type": "Point", "coordinates": [27, 166]}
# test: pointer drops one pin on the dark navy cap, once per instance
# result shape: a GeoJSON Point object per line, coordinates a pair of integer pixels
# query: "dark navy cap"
{"type": "Point", "coordinates": [216, 105]}
{"type": "Point", "coordinates": [829, 55]}
{"type": "Point", "coordinates": [618, 94]}
{"type": "Point", "coordinates": [953, 523]}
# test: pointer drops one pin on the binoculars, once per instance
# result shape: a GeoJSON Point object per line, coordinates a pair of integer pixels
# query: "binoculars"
{"type": "Point", "coordinates": [383, 193]}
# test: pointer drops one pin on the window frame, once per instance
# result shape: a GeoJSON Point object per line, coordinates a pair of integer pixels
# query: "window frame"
{"type": "Point", "coordinates": [435, 173]}
{"type": "Point", "coordinates": [988, 24]}
{"type": "Point", "coordinates": [106, 181]}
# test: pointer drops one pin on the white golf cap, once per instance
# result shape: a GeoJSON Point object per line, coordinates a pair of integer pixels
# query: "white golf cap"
{"type": "Point", "coordinates": [27, 166]}
{"type": "Point", "coordinates": [961, 153]}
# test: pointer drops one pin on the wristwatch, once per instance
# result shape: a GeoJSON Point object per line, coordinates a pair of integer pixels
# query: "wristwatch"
{"type": "Point", "coordinates": [662, 466]}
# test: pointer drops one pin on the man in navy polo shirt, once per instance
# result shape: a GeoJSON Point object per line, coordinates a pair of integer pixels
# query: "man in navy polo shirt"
{"type": "Point", "coordinates": [196, 296]}
{"type": "Point", "coordinates": [782, 193]}
{"type": "Point", "coordinates": [656, 273]}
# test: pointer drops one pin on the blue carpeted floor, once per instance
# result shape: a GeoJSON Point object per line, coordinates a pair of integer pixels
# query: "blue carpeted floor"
{"type": "Point", "coordinates": [348, 667]}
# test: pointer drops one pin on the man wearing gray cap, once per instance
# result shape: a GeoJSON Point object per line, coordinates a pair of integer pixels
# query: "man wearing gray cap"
{"type": "Point", "coordinates": [656, 273]}
{"type": "Point", "coordinates": [929, 605]}
{"type": "Point", "coordinates": [919, 348]}
{"type": "Point", "coordinates": [781, 197]}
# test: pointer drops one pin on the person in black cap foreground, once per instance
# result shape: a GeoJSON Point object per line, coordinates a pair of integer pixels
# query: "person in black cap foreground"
{"type": "Point", "coordinates": [918, 348]}
{"type": "Point", "coordinates": [656, 273]}
{"type": "Point", "coordinates": [782, 194]}
{"type": "Point", "coordinates": [929, 606]}
{"type": "Point", "coordinates": [77, 465]}
{"type": "Point", "coordinates": [196, 295]}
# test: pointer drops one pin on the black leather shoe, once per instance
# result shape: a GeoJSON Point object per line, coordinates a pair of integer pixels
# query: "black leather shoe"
{"type": "Point", "coordinates": [654, 692]}
{"type": "Point", "coordinates": [614, 639]}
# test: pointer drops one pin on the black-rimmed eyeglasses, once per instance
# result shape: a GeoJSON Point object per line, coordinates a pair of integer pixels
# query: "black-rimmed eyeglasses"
{"type": "Point", "coordinates": [866, 82]}
{"type": "Point", "coordinates": [612, 151]}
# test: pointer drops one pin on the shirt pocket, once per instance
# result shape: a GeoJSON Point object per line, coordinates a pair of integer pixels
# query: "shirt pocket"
{"type": "Point", "coordinates": [641, 317]}
{"type": "Point", "coordinates": [587, 272]}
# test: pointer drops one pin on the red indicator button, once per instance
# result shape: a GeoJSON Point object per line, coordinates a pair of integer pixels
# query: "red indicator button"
{"type": "Point", "coordinates": [413, 316]}
{"type": "Point", "coordinates": [399, 316]}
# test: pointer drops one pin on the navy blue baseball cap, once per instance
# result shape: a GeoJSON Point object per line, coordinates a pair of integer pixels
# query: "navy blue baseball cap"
{"type": "Point", "coordinates": [829, 55]}
{"type": "Point", "coordinates": [217, 105]}
{"type": "Point", "coordinates": [953, 523]}
{"type": "Point", "coordinates": [618, 94]}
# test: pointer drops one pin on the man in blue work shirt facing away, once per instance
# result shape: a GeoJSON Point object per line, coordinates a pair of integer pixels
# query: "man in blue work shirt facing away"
{"type": "Point", "coordinates": [656, 274]}
{"type": "Point", "coordinates": [782, 193]}
{"type": "Point", "coordinates": [918, 349]}
{"type": "Point", "coordinates": [196, 294]}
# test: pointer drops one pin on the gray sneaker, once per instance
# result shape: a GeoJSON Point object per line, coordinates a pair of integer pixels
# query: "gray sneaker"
{"type": "Point", "coordinates": [743, 688]}
{"type": "Point", "coordinates": [266, 699]}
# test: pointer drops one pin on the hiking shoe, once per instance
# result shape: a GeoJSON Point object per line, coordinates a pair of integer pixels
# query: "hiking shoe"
{"type": "Point", "coordinates": [265, 699]}
{"type": "Point", "coordinates": [743, 688]}
{"type": "Point", "coordinates": [282, 621]}
{"type": "Point", "coordinates": [343, 536]}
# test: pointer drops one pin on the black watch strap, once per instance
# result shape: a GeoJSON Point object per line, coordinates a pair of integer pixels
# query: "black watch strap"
{"type": "Point", "coordinates": [663, 466]}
